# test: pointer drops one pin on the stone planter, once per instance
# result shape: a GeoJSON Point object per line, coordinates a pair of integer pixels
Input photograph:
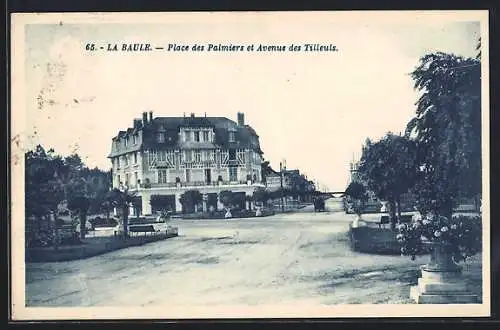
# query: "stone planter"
{"type": "Point", "coordinates": [441, 280]}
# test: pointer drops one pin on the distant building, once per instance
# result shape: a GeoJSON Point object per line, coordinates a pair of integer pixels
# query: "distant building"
{"type": "Point", "coordinates": [273, 181]}
{"type": "Point", "coordinates": [161, 158]}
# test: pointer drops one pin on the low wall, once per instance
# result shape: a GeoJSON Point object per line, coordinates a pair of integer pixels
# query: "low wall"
{"type": "Point", "coordinates": [91, 247]}
{"type": "Point", "coordinates": [376, 240]}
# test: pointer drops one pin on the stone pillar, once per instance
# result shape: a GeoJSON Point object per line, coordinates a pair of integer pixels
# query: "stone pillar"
{"type": "Point", "coordinates": [220, 206]}
{"type": "Point", "coordinates": [441, 281]}
{"type": "Point", "coordinates": [178, 204]}
{"type": "Point", "coordinates": [146, 204]}
{"type": "Point", "coordinates": [131, 210]}
{"type": "Point", "coordinates": [441, 288]}
{"type": "Point", "coordinates": [205, 199]}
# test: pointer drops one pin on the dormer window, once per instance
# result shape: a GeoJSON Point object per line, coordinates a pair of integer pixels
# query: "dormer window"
{"type": "Point", "coordinates": [126, 141]}
{"type": "Point", "coordinates": [187, 136]}
{"type": "Point", "coordinates": [160, 137]}
{"type": "Point", "coordinates": [134, 139]}
{"type": "Point", "coordinates": [206, 137]}
{"type": "Point", "coordinates": [197, 136]}
{"type": "Point", "coordinates": [232, 136]}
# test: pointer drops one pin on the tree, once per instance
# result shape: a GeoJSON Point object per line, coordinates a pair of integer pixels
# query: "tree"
{"type": "Point", "coordinates": [266, 169]}
{"type": "Point", "coordinates": [122, 198]}
{"type": "Point", "coordinates": [447, 131]}
{"type": "Point", "coordinates": [226, 197]}
{"type": "Point", "coordinates": [261, 195]}
{"type": "Point", "coordinates": [357, 192]}
{"type": "Point", "coordinates": [190, 199]}
{"type": "Point", "coordinates": [388, 167]}
{"type": "Point", "coordinates": [79, 205]}
{"type": "Point", "coordinates": [42, 193]}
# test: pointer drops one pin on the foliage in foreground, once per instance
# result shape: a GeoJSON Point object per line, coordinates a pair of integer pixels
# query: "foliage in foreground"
{"type": "Point", "coordinates": [461, 234]}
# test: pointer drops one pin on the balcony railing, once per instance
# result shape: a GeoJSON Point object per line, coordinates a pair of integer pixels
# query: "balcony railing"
{"type": "Point", "coordinates": [197, 184]}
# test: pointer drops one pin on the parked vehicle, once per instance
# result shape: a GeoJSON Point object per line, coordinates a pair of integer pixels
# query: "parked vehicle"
{"type": "Point", "coordinates": [319, 205]}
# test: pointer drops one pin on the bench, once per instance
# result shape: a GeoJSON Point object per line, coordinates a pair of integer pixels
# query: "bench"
{"type": "Point", "coordinates": [384, 220]}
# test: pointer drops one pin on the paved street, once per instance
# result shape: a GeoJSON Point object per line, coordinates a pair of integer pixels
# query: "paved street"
{"type": "Point", "coordinates": [302, 257]}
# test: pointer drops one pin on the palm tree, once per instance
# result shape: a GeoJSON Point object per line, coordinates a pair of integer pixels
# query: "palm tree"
{"type": "Point", "coordinates": [227, 198]}
{"type": "Point", "coordinates": [190, 199]}
{"type": "Point", "coordinates": [122, 198]}
{"type": "Point", "coordinates": [80, 206]}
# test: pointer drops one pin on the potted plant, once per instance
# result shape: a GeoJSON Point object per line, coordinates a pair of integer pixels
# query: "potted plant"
{"type": "Point", "coordinates": [178, 182]}
{"type": "Point", "coordinates": [219, 180]}
{"type": "Point", "coordinates": [249, 179]}
{"type": "Point", "coordinates": [449, 240]}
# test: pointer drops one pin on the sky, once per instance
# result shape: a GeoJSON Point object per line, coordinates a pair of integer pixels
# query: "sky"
{"type": "Point", "coordinates": [314, 110]}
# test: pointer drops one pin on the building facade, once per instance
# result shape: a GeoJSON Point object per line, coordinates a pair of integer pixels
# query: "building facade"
{"type": "Point", "coordinates": [160, 158]}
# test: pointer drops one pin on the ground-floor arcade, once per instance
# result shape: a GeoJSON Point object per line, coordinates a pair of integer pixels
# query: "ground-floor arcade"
{"type": "Point", "coordinates": [153, 200]}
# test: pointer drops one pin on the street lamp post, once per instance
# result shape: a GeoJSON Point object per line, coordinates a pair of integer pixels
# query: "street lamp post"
{"type": "Point", "coordinates": [281, 185]}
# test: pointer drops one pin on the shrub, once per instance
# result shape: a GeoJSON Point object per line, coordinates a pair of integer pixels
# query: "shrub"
{"type": "Point", "coordinates": [461, 233]}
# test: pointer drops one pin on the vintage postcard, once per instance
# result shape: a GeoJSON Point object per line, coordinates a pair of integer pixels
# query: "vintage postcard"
{"type": "Point", "coordinates": [250, 165]}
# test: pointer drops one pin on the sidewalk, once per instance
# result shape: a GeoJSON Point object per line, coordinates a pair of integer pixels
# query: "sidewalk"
{"type": "Point", "coordinates": [92, 246]}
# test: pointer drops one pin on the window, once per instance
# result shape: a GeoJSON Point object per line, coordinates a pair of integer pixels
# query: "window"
{"type": "Point", "coordinates": [188, 156]}
{"type": "Point", "coordinates": [136, 178]}
{"type": "Point", "coordinates": [197, 156]}
{"type": "Point", "coordinates": [118, 179]}
{"type": "Point", "coordinates": [160, 137]}
{"type": "Point", "coordinates": [197, 136]}
{"type": "Point", "coordinates": [233, 174]}
{"type": "Point", "coordinates": [205, 136]}
{"type": "Point", "coordinates": [134, 139]}
{"type": "Point", "coordinates": [232, 137]}
{"type": "Point", "coordinates": [126, 141]}
{"type": "Point", "coordinates": [127, 179]}
{"type": "Point", "coordinates": [135, 157]}
{"type": "Point", "coordinates": [212, 155]}
{"type": "Point", "coordinates": [117, 145]}
{"type": "Point", "coordinates": [187, 136]}
{"type": "Point", "coordinates": [232, 154]}
{"type": "Point", "coordinates": [161, 155]}
{"type": "Point", "coordinates": [188, 175]}
{"type": "Point", "coordinates": [125, 160]}
{"type": "Point", "coordinates": [162, 176]}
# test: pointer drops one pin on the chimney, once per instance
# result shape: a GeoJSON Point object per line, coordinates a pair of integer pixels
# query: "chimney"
{"type": "Point", "coordinates": [241, 119]}
{"type": "Point", "coordinates": [151, 116]}
{"type": "Point", "coordinates": [144, 118]}
{"type": "Point", "coordinates": [192, 114]}
{"type": "Point", "coordinates": [137, 123]}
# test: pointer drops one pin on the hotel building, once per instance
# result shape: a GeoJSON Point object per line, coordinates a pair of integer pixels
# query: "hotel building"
{"type": "Point", "coordinates": [160, 158]}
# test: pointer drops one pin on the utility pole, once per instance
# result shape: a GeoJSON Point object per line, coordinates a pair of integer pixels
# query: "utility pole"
{"type": "Point", "coordinates": [281, 184]}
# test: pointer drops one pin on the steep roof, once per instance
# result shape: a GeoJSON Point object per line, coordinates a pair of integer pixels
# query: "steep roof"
{"type": "Point", "coordinates": [245, 136]}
